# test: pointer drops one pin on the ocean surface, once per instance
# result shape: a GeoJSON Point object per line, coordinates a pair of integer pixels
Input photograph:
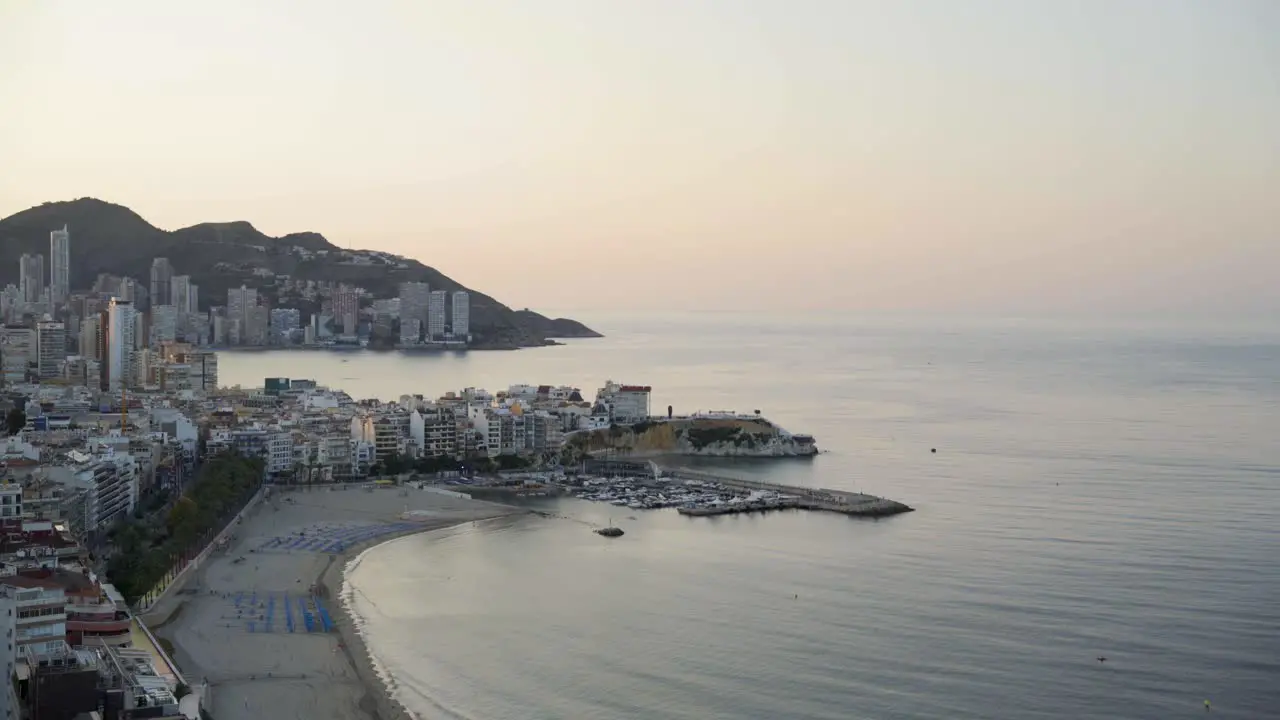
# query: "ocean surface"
{"type": "Point", "coordinates": [1096, 491]}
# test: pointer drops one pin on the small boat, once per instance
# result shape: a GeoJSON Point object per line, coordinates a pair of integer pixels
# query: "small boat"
{"type": "Point", "coordinates": [610, 531]}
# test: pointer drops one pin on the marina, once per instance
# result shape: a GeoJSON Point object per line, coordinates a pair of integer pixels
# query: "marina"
{"type": "Point", "coordinates": [700, 494]}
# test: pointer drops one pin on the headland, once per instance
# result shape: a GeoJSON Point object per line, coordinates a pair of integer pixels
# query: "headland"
{"type": "Point", "coordinates": [710, 434]}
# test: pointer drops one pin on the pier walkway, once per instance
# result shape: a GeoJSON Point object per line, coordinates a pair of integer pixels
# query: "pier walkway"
{"type": "Point", "coordinates": [800, 497]}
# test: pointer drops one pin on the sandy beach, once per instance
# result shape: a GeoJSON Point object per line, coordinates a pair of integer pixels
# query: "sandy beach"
{"type": "Point", "coordinates": [242, 624]}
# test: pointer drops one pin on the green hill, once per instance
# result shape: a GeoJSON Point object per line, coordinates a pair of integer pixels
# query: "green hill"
{"type": "Point", "coordinates": [108, 238]}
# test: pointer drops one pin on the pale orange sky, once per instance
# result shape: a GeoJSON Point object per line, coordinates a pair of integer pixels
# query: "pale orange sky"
{"type": "Point", "coordinates": [985, 155]}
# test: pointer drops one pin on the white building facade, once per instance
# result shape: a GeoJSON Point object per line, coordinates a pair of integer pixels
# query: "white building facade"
{"type": "Point", "coordinates": [460, 325]}
{"type": "Point", "coordinates": [121, 327]}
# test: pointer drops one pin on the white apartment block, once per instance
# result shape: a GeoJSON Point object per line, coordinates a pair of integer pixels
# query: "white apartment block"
{"type": "Point", "coordinates": [111, 481]}
{"type": "Point", "coordinates": [59, 265]}
{"type": "Point", "coordinates": [51, 348]}
{"type": "Point", "coordinates": [121, 326]}
{"type": "Point", "coordinates": [437, 314]}
{"type": "Point", "coordinates": [17, 349]}
{"type": "Point", "coordinates": [460, 325]}
{"type": "Point", "coordinates": [625, 403]}
{"type": "Point", "coordinates": [279, 456]}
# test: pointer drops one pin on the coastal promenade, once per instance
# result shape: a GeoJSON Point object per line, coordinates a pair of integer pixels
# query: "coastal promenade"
{"type": "Point", "coordinates": [799, 498]}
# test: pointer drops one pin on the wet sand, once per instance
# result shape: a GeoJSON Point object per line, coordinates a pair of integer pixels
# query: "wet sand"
{"type": "Point", "coordinates": [300, 674]}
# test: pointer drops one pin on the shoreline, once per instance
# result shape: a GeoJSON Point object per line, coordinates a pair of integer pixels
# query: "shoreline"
{"type": "Point", "coordinates": [300, 673]}
{"type": "Point", "coordinates": [506, 347]}
{"type": "Point", "coordinates": [377, 702]}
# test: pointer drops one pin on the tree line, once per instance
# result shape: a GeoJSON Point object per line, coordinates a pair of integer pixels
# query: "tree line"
{"type": "Point", "coordinates": [146, 550]}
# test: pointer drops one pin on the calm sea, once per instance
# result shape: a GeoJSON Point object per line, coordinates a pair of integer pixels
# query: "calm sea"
{"type": "Point", "coordinates": [1095, 492]}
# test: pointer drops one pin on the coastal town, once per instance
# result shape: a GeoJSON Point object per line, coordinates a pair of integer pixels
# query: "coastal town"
{"type": "Point", "coordinates": [133, 483]}
{"type": "Point", "coordinates": [109, 499]}
{"type": "Point", "coordinates": [73, 330]}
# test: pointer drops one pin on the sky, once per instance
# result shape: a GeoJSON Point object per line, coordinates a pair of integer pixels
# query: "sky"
{"type": "Point", "coordinates": [1007, 156]}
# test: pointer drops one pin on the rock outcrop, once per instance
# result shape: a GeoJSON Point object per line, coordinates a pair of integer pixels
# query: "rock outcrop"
{"type": "Point", "coordinates": [711, 437]}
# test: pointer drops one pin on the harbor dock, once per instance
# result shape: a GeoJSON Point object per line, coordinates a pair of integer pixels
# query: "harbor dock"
{"type": "Point", "coordinates": [789, 497]}
{"type": "Point", "coordinates": [643, 484]}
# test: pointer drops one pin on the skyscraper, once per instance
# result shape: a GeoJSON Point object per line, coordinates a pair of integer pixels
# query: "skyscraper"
{"type": "Point", "coordinates": [413, 300]}
{"type": "Point", "coordinates": [120, 343]}
{"type": "Point", "coordinates": [436, 313]}
{"type": "Point", "coordinates": [414, 297]}
{"type": "Point", "coordinates": [346, 309]}
{"type": "Point", "coordinates": [161, 282]}
{"type": "Point", "coordinates": [31, 277]}
{"type": "Point", "coordinates": [183, 292]}
{"type": "Point", "coordinates": [164, 324]}
{"type": "Point", "coordinates": [128, 289]}
{"type": "Point", "coordinates": [239, 301]}
{"type": "Point", "coordinates": [257, 324]}
{"type": "Point", "coordinates": [460, 325]}
{"type": "Point", "coordinates": [90, 345]}
{"type": "Point", "coordinates": [59, 265]}
{"type": "Point", "coordinates": [51, 348]}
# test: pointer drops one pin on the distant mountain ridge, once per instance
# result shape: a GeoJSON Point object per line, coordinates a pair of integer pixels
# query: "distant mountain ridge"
{"type": "Point", "coordinates": [109, 238]}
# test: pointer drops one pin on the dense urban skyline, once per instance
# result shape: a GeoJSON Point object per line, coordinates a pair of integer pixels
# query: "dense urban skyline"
{"type": "Point", "coordinates": [990, 155]}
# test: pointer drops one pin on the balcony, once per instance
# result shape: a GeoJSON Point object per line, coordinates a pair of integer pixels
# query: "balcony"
{"type": "Point", "coordinates": [106, 626]}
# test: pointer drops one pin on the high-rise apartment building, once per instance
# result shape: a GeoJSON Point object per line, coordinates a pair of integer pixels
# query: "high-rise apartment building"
{"type": "Point", "coordinates": [257, 326]}
{"type": "Point", "coordinates": [162, 282]}
{"type": "Point", "coordinates": [346, 308]}
{"type": "Point", "coordinates": [184, 295]}
{"type": "Point", "coordinates": [460, 324]}
{"type": "Point", "coordinates": [121, 325]}
{"type": "Point", "coordinates": [141, 329]}
{"type": "Point", "coordinates": [51, 348]}
{"type": "Point", "coordinates": [59, 266]}
{"type": "Point", "coordinates": [90, 344]}
{"type": "Point", "coordinates": [17, 347]}
{"type": "Point", "coordinates": [31, 277]}
{"type": "Point", "coordinates": [414, 297]}
{"type": "Point", "coordinates": [410, 331]}
{"type": "Point", "coordinates": [164, 324]}
{"type": "Point", "coordinates": [202, 364]}
{"type": "Point", "coordinates": [128, 289]}
{"type": "Point", "coordinates": [239, 301]}
{"type": "Point", "coordinates": [10, 300]}
{"type": "Point", "coordinates": [437, 313]}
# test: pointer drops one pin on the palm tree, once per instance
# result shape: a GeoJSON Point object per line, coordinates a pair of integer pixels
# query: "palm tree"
{"type": "Point", "coordinates": [313, 457]}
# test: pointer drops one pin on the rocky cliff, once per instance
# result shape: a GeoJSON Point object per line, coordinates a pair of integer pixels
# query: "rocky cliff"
{"type": "Point", "coordinates": [712, 437]}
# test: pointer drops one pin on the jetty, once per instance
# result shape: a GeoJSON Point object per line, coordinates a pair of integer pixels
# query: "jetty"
{"type": "Point", "coordinates": [789, 497]}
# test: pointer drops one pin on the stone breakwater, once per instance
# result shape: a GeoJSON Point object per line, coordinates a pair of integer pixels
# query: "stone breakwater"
{"type": "Point", "coordinates": [870, 507]}
{"type": "Point", "coordinates": [789, 497]}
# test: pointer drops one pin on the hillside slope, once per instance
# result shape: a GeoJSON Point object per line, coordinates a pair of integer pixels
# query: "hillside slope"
{"type": "Point", "coordinates": [108, 238]}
